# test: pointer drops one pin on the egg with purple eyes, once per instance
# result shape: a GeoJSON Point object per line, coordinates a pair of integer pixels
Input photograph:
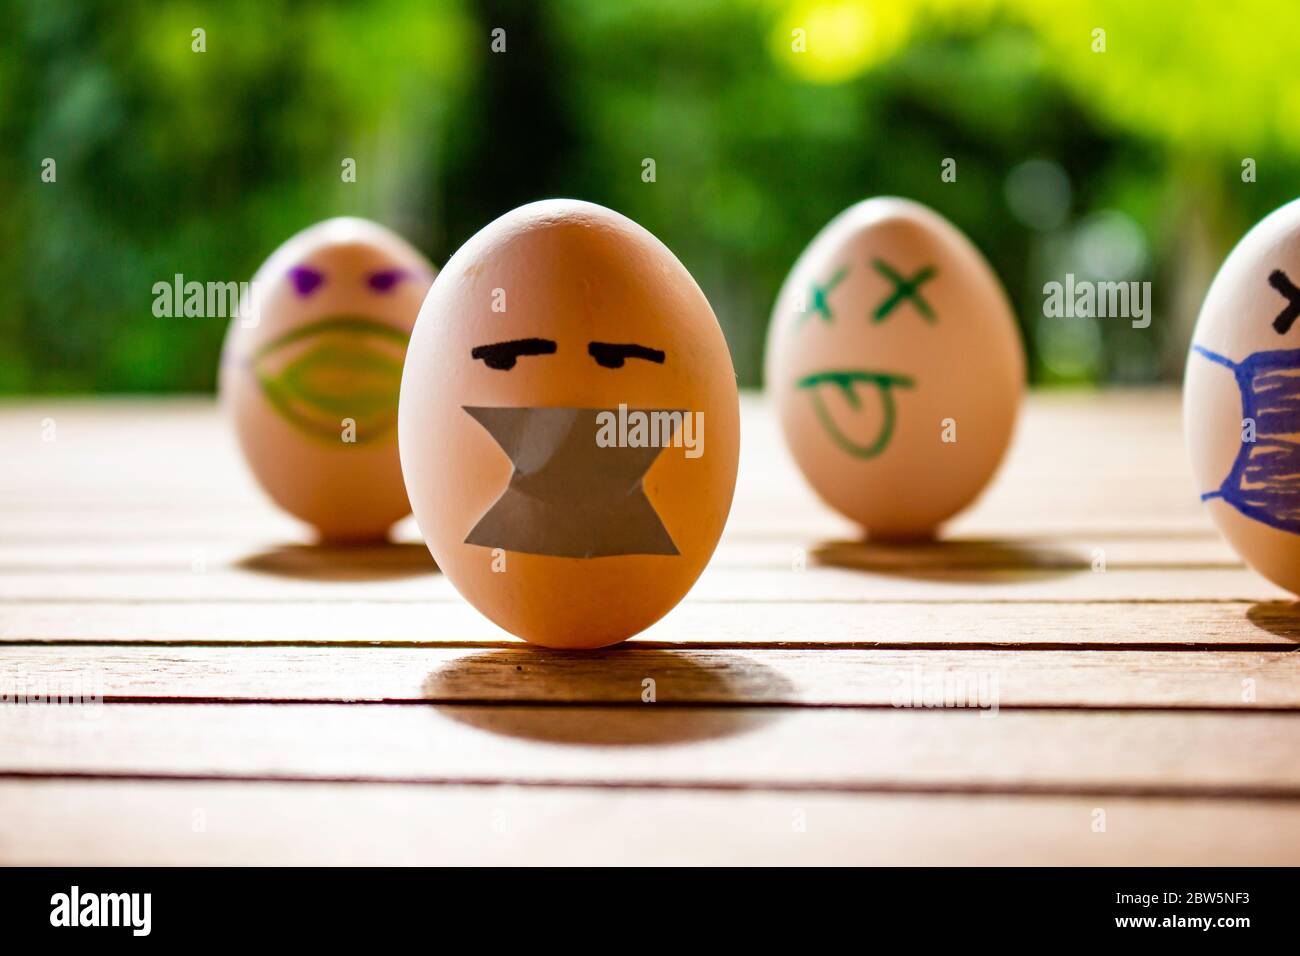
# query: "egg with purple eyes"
{"type": "Point", "coordinates": [896, 367]}
{"type": "Point", "coordinates": [311, 369]}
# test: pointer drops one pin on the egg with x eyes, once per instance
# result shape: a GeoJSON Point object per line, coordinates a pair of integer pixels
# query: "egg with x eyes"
{"type": "Point", "coordinates": [569, 425]}
{"type": "Point", "coordinates": [1241, 398]}
{"type": "Point", "coordinates": [311, 369]}
{"type": "Point", "coordinates": [895, 366]}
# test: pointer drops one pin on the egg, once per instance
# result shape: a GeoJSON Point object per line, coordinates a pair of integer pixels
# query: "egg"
{"type": "Point", "coordinates": [311, 370]}
{"type": "Point", "coordinates": [569, 425]}
{"type": "Point", "coordinates": [895, 366]}
{"type": "Point", "coordinates": [1241, 398]}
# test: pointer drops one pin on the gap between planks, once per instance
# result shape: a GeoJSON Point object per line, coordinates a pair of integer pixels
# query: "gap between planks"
{"type": "Point", "coordinates": [1170, 795]}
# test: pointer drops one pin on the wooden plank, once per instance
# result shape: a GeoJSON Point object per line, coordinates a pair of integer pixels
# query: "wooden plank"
{"type": "Point", "coordinates": [876, 678]}
{"type": "Point", "coordinates": [1106, 462]}
{"type": "Point", "coordinates": [99, 535]}
{"type": "Point", "coordinates": [722, 584]}
{"type": "Point", "coordinates": [695, 624]}
{"type": "Point", "coordinates": [129, 823]}
{"type": "Point", "coordinates": [919, 750]}
{"type": "Point", "coordinates": [765, 551]}
{"type": "Point", "coordinates": [1106, 514]}
{"type": "Point", "coordinates": [759, 500]}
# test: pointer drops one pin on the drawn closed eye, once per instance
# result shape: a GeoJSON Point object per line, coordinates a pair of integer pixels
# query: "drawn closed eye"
{"type": "Point", "coordinates": [386, 279]}
{"type": "Point", "coordinates": [613, 355]}
{"type": "Point", "coordinates": [503, 355]}
{"type": "Point", "coordinates": [306, 280]}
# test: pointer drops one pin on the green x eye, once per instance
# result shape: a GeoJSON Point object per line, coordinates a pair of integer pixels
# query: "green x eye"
{"type": "Point", "coordinates": [905, 290]}
{"type": "Point", "coordinates": [821, 296]}
{"type": "Point", "coordinates": [343, 367]}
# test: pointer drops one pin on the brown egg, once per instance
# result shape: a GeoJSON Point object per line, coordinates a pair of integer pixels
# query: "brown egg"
{"type": "Point", "coordinates": [311, 370]}
{"type": "Point", "coordinates": [896, 367]}
{"type": "Point", "coordinates": [569, 425]}
{"type": "Point", "coordinates": [1241, 398]}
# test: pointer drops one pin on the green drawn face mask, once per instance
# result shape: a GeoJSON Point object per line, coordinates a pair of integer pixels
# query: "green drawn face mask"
{"type": "Point", "coordinates": [343, 367]}
{"type": "Point", "coordinates": [847, 381]}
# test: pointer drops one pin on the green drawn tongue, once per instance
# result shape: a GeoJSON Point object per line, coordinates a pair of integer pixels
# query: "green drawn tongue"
{"type": "Point", "coordinates": [317, 375]}
{"type": "Point", "coordinates": [847, 382]}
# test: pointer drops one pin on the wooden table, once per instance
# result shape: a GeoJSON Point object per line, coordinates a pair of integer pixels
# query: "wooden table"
{"type": "Point", "coordinates": [267, 701]}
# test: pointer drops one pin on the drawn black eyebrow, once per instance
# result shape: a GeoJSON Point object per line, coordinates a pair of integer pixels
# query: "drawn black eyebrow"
{"type": "Point", "coordinates": [1278, 280]}
{"type": "Point", "coordinates": [613, 354]}
{"type": "Point", "coordinates": [502, 355]}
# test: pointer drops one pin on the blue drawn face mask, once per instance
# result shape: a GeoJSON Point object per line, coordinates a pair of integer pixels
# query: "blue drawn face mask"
{"type": "Point", "coordinates": [1264, 483]}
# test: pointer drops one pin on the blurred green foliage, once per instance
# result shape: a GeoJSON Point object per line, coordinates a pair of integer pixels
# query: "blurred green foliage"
{"type": "Point", "coordinates": [764, 118]}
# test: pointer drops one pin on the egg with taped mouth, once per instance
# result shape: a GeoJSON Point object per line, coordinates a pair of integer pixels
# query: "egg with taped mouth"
{"type": "Point", "coordinates": [311, 370]}
{"type": "Point", "coordinates": [895, 366]}
{"type": "Point", "coordinates": [569, 425]}
{"type": "Point", "coordinates": [1241, 398]}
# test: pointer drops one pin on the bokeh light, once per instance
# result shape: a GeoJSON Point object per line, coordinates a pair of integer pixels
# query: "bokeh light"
{"type": "Point", "coordinates": [1038, 194]}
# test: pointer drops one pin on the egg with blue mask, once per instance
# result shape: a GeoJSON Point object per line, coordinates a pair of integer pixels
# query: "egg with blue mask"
{"type": "Point", "coordinates": [1241, 398]}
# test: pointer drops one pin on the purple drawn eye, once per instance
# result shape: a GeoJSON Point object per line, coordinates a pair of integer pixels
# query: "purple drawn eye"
{"type": "Point", "coordinates": [385, 280]}
{"type": "Point", "coordinates": [305, 279]}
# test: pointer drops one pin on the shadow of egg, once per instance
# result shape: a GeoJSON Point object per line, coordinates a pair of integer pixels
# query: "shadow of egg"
{"type": "Point", "coordinates": [334, 562]}
{"type": "Point", "coordinates": [625, 696]}
{"type": "Point", "coordinates": [971, 561]}
{"type": "Point", "coordinates": [1279, 618]}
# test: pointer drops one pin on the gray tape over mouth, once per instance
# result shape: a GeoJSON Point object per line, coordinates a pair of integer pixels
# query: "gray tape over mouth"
{"type": "Point", "coordinates": [568, 497]}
